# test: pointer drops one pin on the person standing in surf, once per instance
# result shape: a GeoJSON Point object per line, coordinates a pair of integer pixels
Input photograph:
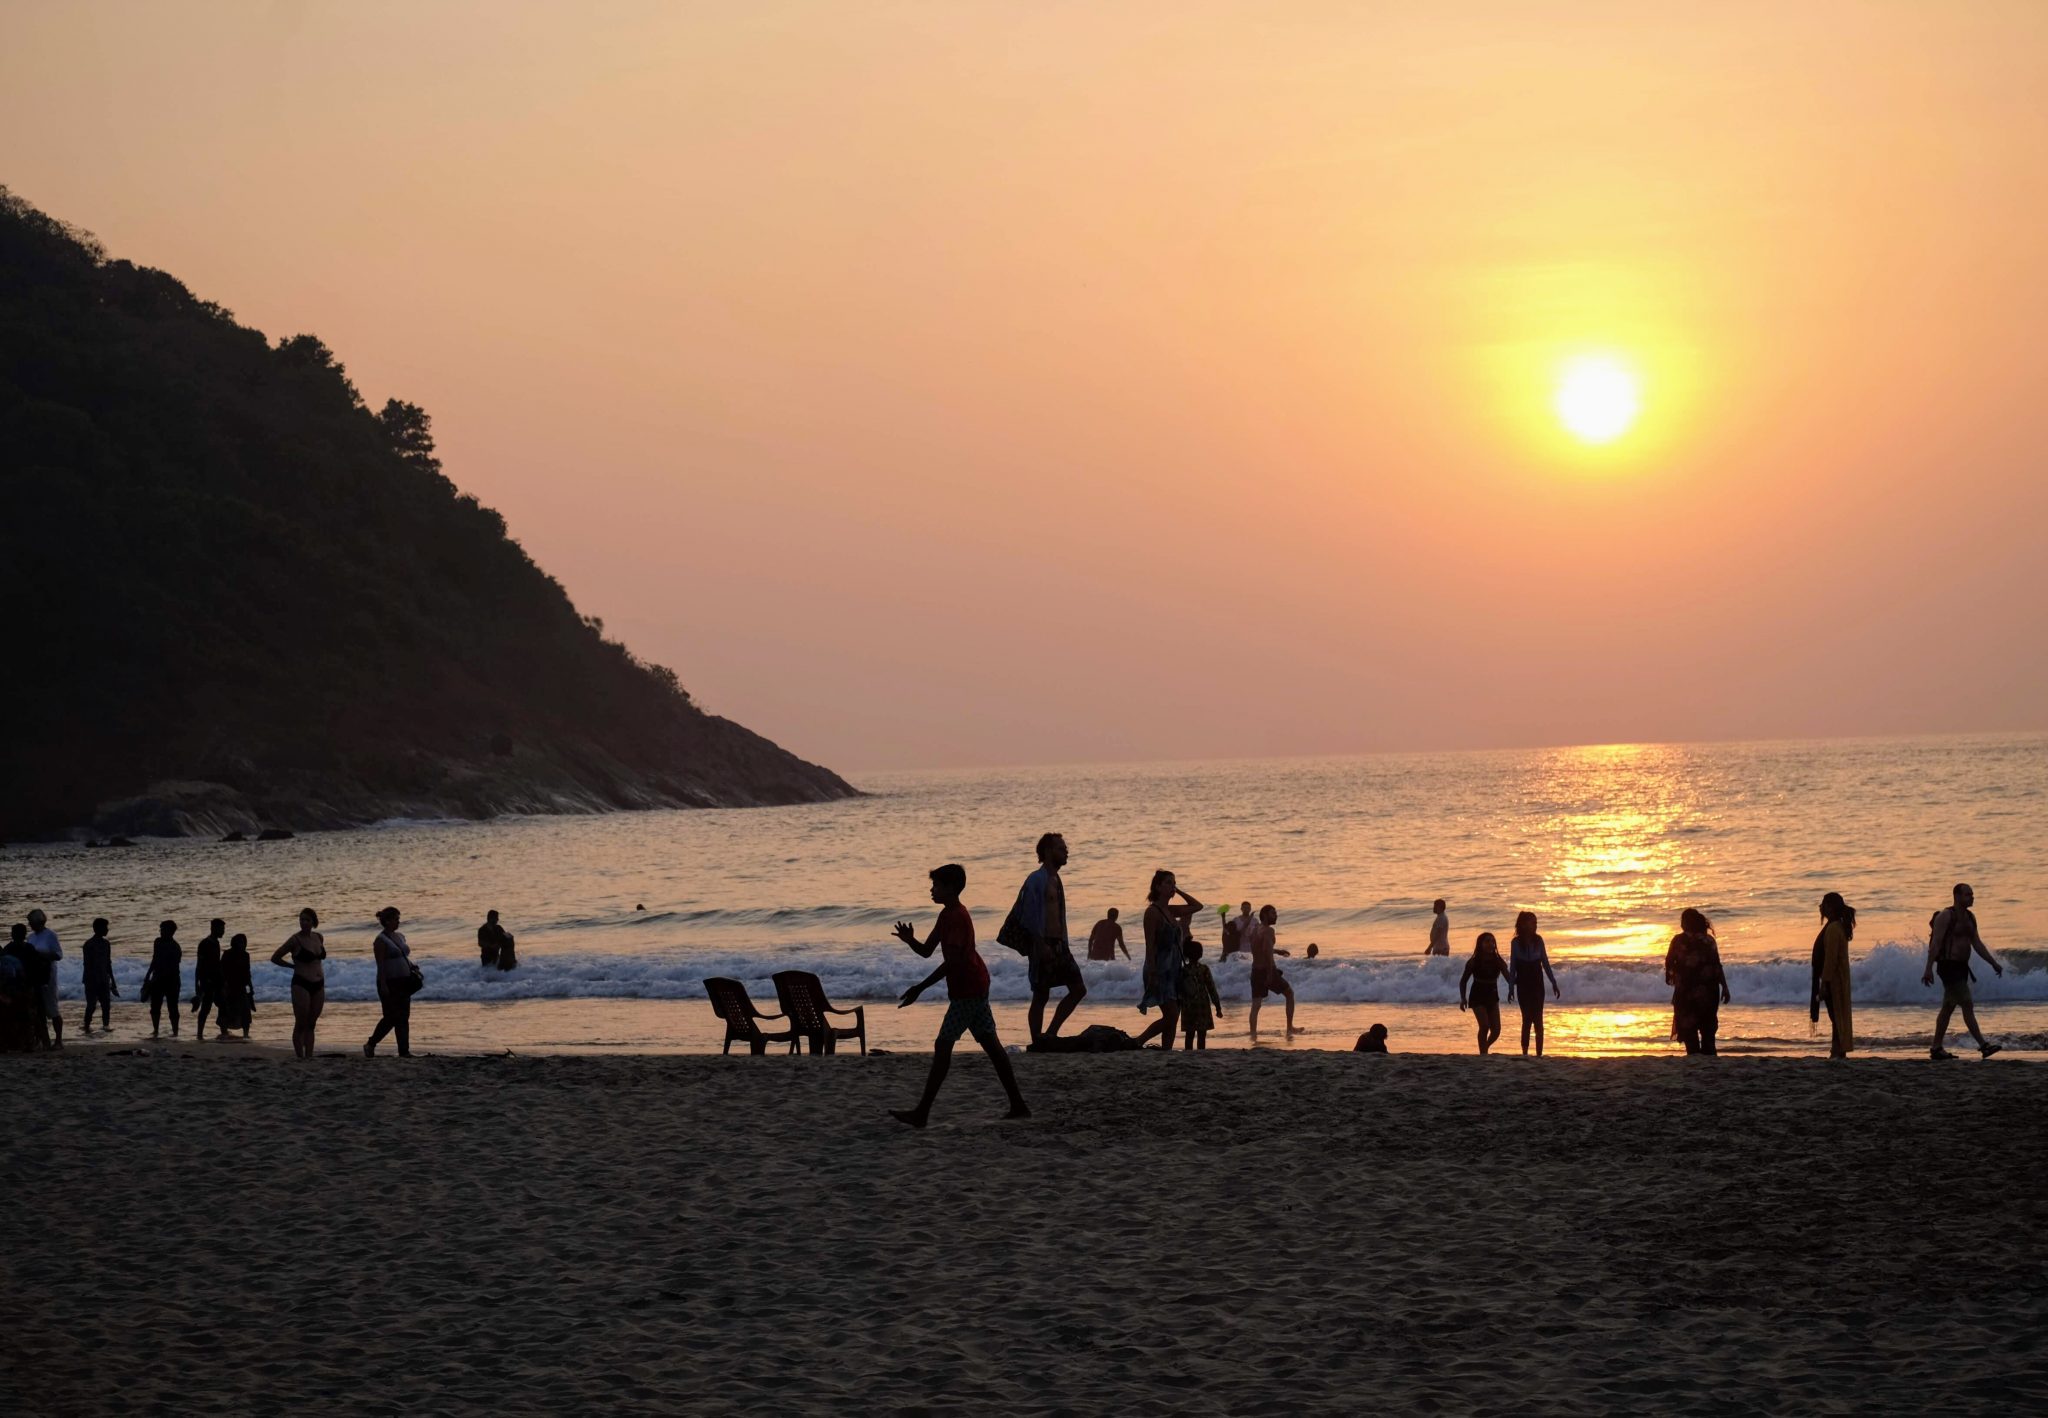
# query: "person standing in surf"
{"type": "Point", "coordinates": [1952, 938]}
{"type": "Point", "coordinates": [966, 977]}
{"type": "Point", "coordinates": [1266, 976]}
{"type": "Point", "coordinates": [1528, 965]}
{"type": "Point", "coordinates": [1037, 929]}
{"type": "Point", "coordinates": [305, 955]}
{"type": "Point", "coordinates": [1439, 930]}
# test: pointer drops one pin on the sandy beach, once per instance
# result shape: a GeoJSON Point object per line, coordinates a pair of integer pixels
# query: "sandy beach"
{"type": "Point", "coordinates": [229, 1231]}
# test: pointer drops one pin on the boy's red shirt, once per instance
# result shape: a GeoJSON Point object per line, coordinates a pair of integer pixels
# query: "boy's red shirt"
{"type": "Point", "coordinates": [966, 974]}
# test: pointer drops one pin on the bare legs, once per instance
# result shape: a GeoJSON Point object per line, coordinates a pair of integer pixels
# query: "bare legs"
{"type": "Point", "coordinates": [1076, 992]}
{"type": "Point", "coordinates": [1487, 1013]}
{"type": "Point", "coordinates": [1534, 1021]}
{"type": "Point", "coordinates": [1167, 1022]}
{"type": "Point", "coordinates": [942, 1062]}
{"type": "Point", "coordinates": [156, 1007]}
{"type": "Point", "coordinates": [305, 1014]}
{"type": "Point", "coordinates": [1969, 1022]}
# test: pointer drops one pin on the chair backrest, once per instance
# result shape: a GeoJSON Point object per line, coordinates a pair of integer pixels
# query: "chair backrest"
{"type": "Point", "coordinates": [729, 998]}
{"type": "Point", "coordinates": [803, 999]}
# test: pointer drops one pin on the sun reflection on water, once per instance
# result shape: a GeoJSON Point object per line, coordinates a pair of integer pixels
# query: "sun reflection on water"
{"type": "Point", "coordinates": [1608, 846]}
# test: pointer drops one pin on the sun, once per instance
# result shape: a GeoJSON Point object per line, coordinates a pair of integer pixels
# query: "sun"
{"type": "Point", "coordinates": [1598, 398]}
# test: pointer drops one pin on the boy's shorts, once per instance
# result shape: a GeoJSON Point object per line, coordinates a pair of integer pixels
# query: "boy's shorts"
{"type": "Point", "coordinates": [969, 1016]}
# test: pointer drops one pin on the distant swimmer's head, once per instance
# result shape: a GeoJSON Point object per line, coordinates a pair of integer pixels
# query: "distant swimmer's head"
{"type": "Point", "coordinates": [1162, 888]}
{"type": "Point", "coordinates": [388, 918]}
{"type": "Point", "coordinates": [1525, 924]}
{"type": "Point", "coordinates": [1438, 906]}
{"type": "Point", "coordinates": [1193, 949]}
{"type": "Point", "coordinates": [1313, 951]}
{"type": "Point", "coordinates": [1052, 850]}
{"type": "Point", "coordinates": [1964, 897]}
{"type": "Point", "coordinates": [948, 882]}
{"type": "Point", "coordinates": [308, 919]}
{"type": "Point", "coordinates": [1486, 944]}
{"type": "Point", "coordinates": [1268, 915]}
{"type": "Point", "coordinates": [1694, 922]}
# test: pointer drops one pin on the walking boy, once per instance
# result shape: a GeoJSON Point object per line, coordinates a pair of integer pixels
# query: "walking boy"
{"type": "Point", "coordinates": [966, 977]}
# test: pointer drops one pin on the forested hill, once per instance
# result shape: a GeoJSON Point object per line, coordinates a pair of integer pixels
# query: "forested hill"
{"type": "Point", "coordinates": [238, 597]}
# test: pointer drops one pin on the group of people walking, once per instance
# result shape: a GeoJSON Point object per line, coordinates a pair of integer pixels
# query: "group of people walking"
{"type": "Point", "coordinates": [1699, 981]}
{"type": "Point", "coordinates": [222, 980]}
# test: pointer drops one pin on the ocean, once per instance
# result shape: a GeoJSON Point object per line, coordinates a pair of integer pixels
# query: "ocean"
{"type": "Point", "coordinates": [619, 918]}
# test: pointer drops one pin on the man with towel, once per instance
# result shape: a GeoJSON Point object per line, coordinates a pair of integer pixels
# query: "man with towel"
{"type": "Point", "coordinates": [1037, 929]}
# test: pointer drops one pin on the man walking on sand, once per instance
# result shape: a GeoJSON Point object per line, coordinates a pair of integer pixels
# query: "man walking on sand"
{"type": "Point", "coordinates": [966, 977]}
{"type": "Point", "coordinates": [1266, 976]}
{"type": "Point", "coordinates": [1439, 930]}
{"type": "Point", "coordinates": [1952, 938]}
{"type": "Point", "coordinates": [43, 941]}
{"type": "Point", "coordinates": [1037, 929]}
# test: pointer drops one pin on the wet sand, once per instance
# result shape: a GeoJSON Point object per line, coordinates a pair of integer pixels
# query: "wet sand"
{"type": "Point", "coordinates": [224, 1230]}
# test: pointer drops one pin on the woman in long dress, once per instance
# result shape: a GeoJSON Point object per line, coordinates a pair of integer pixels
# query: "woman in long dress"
{"type": "Point", "coordinates": [1699, 986]}
{"type": "Point", "coordinates": [1833, 986]}
{"type": "Point", "coordinates": [237, 990]}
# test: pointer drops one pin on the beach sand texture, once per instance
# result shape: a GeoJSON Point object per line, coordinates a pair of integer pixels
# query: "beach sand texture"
{"type": "Point", "coordinates": [1242, 1233]}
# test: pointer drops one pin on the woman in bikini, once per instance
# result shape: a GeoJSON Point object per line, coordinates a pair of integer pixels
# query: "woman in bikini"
{"type": "Point", "coordinates": [1479, 988]}
{"type": "Point", "coordinates": [305, 955]}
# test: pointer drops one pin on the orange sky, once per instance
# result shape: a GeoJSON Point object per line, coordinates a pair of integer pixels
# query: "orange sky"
{"type": "Point", "coordinates": [948, 384]}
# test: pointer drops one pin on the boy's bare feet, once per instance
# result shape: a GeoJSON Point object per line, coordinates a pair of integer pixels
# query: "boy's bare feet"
{"type": "Point", "coordinates": [908, 1116]}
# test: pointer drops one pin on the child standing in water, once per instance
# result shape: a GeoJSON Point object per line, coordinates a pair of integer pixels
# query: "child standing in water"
{"type": "Point", "coordinates": [1200, 1005]}
{"type": "Point", "coordinates": [966, 977]}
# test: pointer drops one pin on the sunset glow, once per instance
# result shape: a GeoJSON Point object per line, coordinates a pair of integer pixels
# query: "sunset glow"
{"type": "Point", "coordinates": [1598, 398]}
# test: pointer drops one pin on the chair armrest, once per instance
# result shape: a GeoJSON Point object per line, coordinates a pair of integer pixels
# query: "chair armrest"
{"type": "Point", "coordinates": [757, 1014]}
{"type": "Point", "coordinates": [859, 1009]}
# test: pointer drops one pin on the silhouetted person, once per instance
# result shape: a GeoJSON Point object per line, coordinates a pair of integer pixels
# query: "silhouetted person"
{"type": "Point", "coordinates": [966, 977]}
{"type": "Point", "coordinates": [1374, 1040]}
{"type": "Point", "coordinates": [1312, 952]}
{"type": "Point", "coordinates": [490, 939]}
{"type": "Point", "coordinates": [1528, 967]}
{"type": "Point", "coordinates": [1237, 930]}
{"type": "Point", "coordinates": [28, 969]}
{"type": "Point", "coordinates": [160, 980]}
{"type": "Point", "coordinates": [1699, 986]}
{"type": "Point", "coordinates": [237, 989]}
{"type": "Point", "coordinates": [1439, 930]}
{"type": "Point", "coordinates": [1200, 1005]}
{"type": "Point", "coordinates": [1266, 976]}
{"type": "Point", "coordinates": [43, 941]}
{"type": "Point", "coordinates": [394, 984]}
{"type": "Point", "coordinates": [1037, 926]}
{"type": "Point", "coordinates": [1107, 939]}
{"type": "Point", "coordinates": [1479, 988]}
{"type": "Point", "coordinates": [206, 976]}
{"type": "Point", "coordinates": [1166, 933]}
{"type": "Point", "coordinates": [100, 988]}
{"type": "Point", "coordinates": [1831, 972]}
{"type": "Point", "coordinates": [1952, 937]}
{"type": "Point", "coordinates": [305, 955]}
